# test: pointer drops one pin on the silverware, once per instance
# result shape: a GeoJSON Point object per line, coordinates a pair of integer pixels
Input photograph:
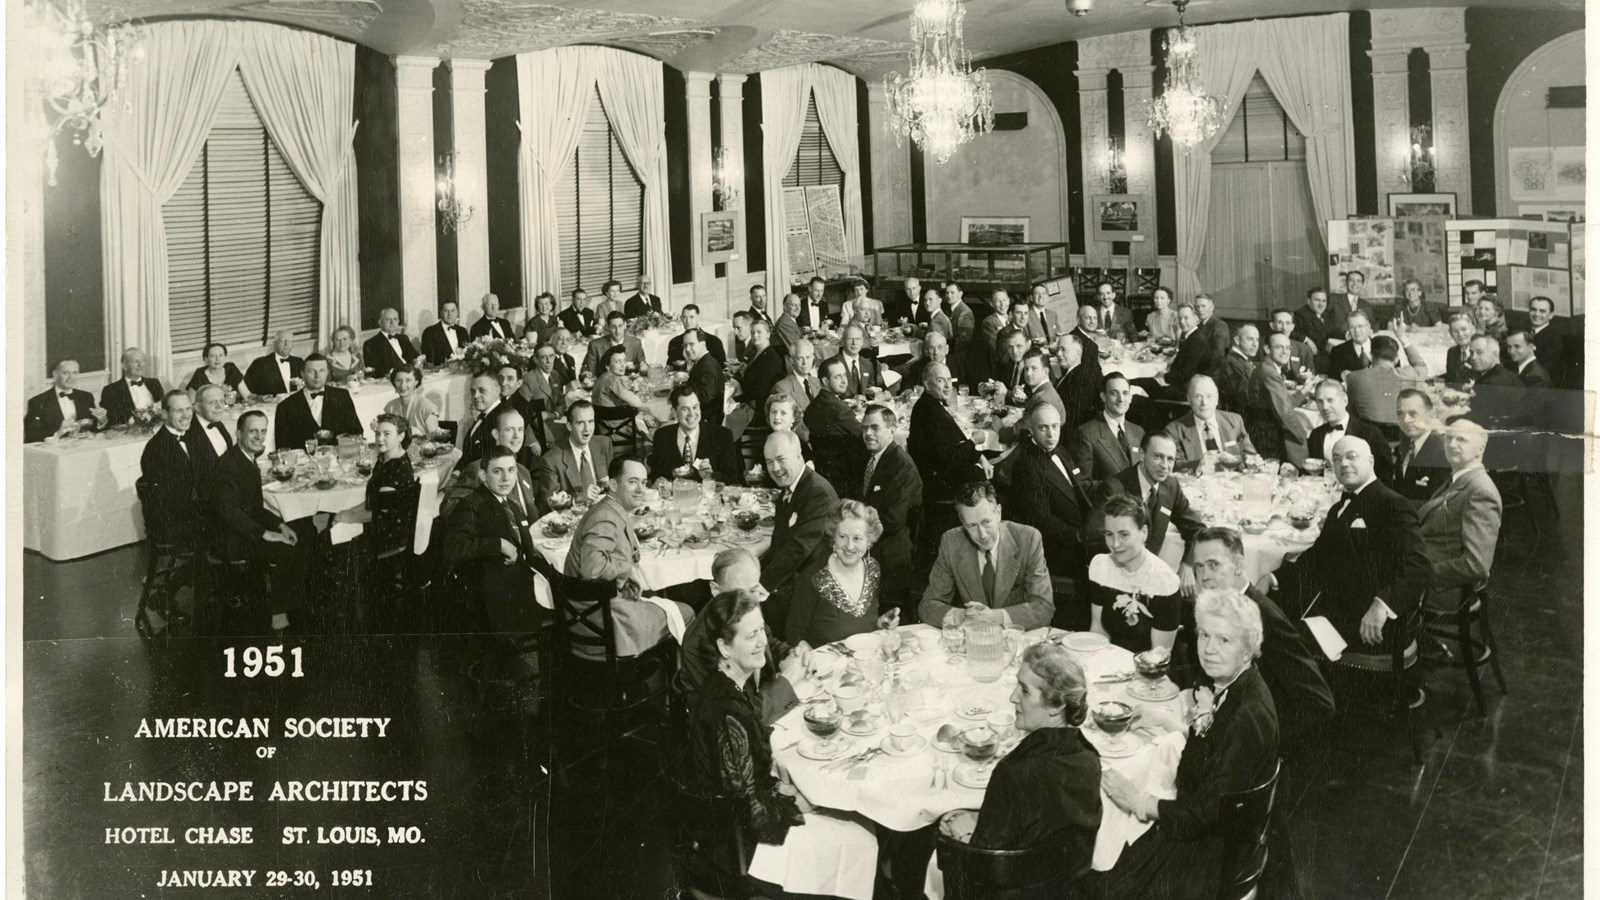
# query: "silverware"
{"type": "Point", "coordinates": [1115, 678]}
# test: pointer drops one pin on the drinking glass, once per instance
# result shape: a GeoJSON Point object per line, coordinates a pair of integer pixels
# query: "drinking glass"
{"type": "Point", "coordinates": [311, 447]}
{"type": "Point", "coordinates": [953, 639]}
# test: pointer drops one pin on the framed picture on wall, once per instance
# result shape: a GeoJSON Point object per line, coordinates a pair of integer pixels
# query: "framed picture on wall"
{"type": "Point", "coordinates": [1119, 217]}
{"type": "Point", "coordinates": [1423, 206]}
{"type": "Point", "coordinates": [719, 237]}
{"type": "Point", "coordinates": [991, 230]}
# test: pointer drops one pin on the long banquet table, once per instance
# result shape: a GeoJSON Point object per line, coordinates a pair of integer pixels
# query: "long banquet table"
{"type": "Point", "coordinates": [78, 496]}
{"type": "Point", "coordinates": [300, 497]}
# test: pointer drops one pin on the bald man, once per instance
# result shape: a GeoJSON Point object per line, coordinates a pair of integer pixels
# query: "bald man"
{"type": "Point", "coordinates": [1207, 428]}
{"type": "Point", "coordinates": [1460, 523]}
{"type": "Point", "coordinates": [800, 515]}
{"type": "Point", "coordinates": [132, 392]}
{"type": "Point", "coordinates": [390, 347]}
{"type": "Point", "coordinates": [272, 374]}
{"type": "Point", "coordinates": [491, 323]}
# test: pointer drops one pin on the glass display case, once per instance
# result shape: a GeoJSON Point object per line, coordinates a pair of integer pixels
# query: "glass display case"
{"type": "Point", "coordinates": [977, 267]}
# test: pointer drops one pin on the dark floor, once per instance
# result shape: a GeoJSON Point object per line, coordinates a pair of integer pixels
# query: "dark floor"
{"type": "Point", "coordinates": [1495, 811]}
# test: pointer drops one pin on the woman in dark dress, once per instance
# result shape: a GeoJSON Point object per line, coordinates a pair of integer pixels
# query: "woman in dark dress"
{"type": "Point", "coordinates": [543, 323]}
{"type": "Point", "coordinates": [839, 596]}
{"type": "Point", "coordinates": [1047, 790]}
{"type": "Point", "coordinates": [1232, 747]}
{"type": "Point", "coordinates": [1133, 593]}
{"type": "Point", "coordinates": [392, 472]}
{"type": "Point", "coordinates": [217, 370]}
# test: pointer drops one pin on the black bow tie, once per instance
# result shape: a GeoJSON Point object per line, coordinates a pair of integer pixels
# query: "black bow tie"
{"type": "Point", "coordinates": [215, 426]}
{"type": "Point", "coordinates": [135, 382]}
{"type": "Point", "coordinates": [314, 394]}
{"type": "Point", "coordinates": [64, 394]}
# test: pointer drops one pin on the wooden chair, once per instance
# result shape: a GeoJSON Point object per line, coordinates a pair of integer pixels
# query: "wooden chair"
{"type": "Point", "coordinates": [1243, 822]}
{"type": "Point", "coordinates": [169, 562]}
{"type": "Point", "coordinates": [1142, 291]}
{"type": "Point", "coordinates": [1118, 279]}
{"type": "Point", "coordinates": [971, 873]}
{"type": "Point", "coordinates": [1085, 281]}
{"type": "Point", "coordinates": [389, 543]}
{"type": "Point", "coordinates": [621, 424]}
{"type": "Point", "coordinates": [1469, 653]}
{"type": "Point", "coordinates": [1378, 682]}
{"type": "Point", "coordinates": [753, 444]}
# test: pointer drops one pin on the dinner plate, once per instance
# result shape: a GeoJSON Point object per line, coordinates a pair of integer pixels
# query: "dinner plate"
{"type": "Point", "coordinates": [817, 751]}
{"type": "Point", "coordinates": [1086, 641]}
{"type": "Point", "coordinates": [864, 728]}
{"type": "Point", "coordinates": [866, 642]}
{"type": "Point", "coordinates": [973, 775]}
{"type": "Point", "coordinates": [917, 745]}
{"type": "Point", "coordinates": [948, 748]}
{"type": "Point", "coordinates": [974, 710]}
{"type": "Point", "coordinates": [272, 487]}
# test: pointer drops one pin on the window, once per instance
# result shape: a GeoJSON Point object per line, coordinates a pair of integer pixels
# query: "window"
{"type": "Point", "coordinates": [1260, 130]}
{"type": "Point", "coordinates": [243, 237]}
{"type": "Point", "coordinates": [599, 210]}
{"type": "Point", "coordinates": [814, 163]}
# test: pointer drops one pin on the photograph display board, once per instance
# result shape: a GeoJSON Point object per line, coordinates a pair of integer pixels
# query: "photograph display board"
{"type": "Point", "coordinates": [1516, 259]}
{"type": "Point", "coordinates": [1366, 246]}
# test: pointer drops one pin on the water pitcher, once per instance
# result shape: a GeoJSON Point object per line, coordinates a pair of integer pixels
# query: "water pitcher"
{"type": "Point", "coordinates": [989, 649]}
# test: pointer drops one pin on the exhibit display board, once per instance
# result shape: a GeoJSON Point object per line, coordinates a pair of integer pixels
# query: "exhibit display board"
{"type": "Point", "coordinates": [1516, 259]}
{"type": "Point", "coordinates": [814, 230]}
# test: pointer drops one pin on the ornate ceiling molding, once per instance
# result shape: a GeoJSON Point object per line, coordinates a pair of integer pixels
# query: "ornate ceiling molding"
{"type": "Point", "coordinates": [788, 48]}
{"type": "Point", "coordinates": [491, 29]}
{"type": "Point", "coordinates": [667, 44]}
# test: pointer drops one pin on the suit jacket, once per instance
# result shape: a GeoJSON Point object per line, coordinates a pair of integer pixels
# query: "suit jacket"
{"type": "Point", "coordinates": [1503, 404]}
{"type": "Point", "coordinates": [579, 321]}
{"type": "Point", "coordinates": [1270, 416]}
{"type": "Point", "coordinates": [1371, 550]}
{"type": "Point", "coordinates": [1374, 391]}
{"type": "Point", "coordinates": [937, 322]}
{"type": "Point", "coordinates": [1317, 328]}
{"type": "Point", "coordinates": [869, 374]}
{"type": "Point", "coordinates": [1043, 323]}
{"type": "Point", "coordinates": [1054, 500]}
{"type": "Point", "coordinates": [1095, 449]}
{"type": "Point", "coordinates": [1218, 339]}
{"type": "Point", "coordinates": [633, 352]}
{"type": "Point", "coordinates": [962, 324]}
{"type": "Point", "coordinates": [834, 433]}
{"type": "Point", "coordinates": [436, 346]}
{"type": "Point", "coordinates": [896, 493]}
{"type": "Point", "coordinates": [545, 390]}
{"type": "Point", "coordinates": [237, 505]}
{"type": "Point", "coordinates": [1382, 458]}
{"type": "Point", "coordinates": [1552, 348]}
{"type": "Point", "coordinates": [293, 425]}
{"type": "Point", "coordinates": [786, 332]}
{"type": "Point", "coordinates": [1534, 375]}
{"type": "Point", "coordinates": [1119, 323]}
{"type": "Point", "coordinates": [472, 537]}
{"type": "Point", "coordinates": [1005, 371]}
{"type": "Point", "coordinates": [1185, 431]}
{"type": "Point", "coordinates": [43, 418]}
{"type": "Point", "coordinates": [379, 354]}
{"type": "Point", "coordinates": [709, 385]}
{"type": "Point", "coordinates": [1193, 358]}
{"type": "Point", "coordinates": [1459, 526]}
{"type": "Point", "coordinates": [1455, 367]}
{"type": "Point", "coordinates": [263, 377]}
{"type": "Point", "coordinates": [1233, 380]}
{"type": "Point", "coordinates": [561, 467]}
{"type": "Point", "coordinates": [201, 451]}
{"type": "Point", "coordinates": [474, 435]}
{"type": "Point", "coordinates": [639, 304]}
{"type": "Point", "coordinates": [172, 475]}
{"type": "Point", "coordinates": [1427, 471]}
{"type": "Point", "coordinates": [1171, 508]}
{"type": "Point", "coordinates": [799, 536]}
{"type": "Point", "coordinates": [468, 479]}
{"type": "Point", "coordinates": [981, 351]}
{"type": "Point", "coordinates": [1301, 354]}
{"type": "Point", "coordinates": [713, 344]}
{"type": "Point", "coordinates": [758, 378]}
{"type": "Point", "coordinates": [1344, 358]}
{"type": "Point", "coordinates": [803, 393]}
{"type": "Point", "coordinates": [1021, 583]}
{"type": "Point", "coordinates": [117, 399]}
{"type": "Point", "coordinates": [715, 445]}
{"type": "Point", "coordinates": [499, 326]}
{"type": "Point", "coordinates": [945, 457]}
{"type": "Point", "coordinates": [1339, 313]}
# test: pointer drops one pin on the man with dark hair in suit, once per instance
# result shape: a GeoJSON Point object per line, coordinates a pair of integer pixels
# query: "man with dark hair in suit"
{"type": "Point", "coordinates": [1420, 464]}
{"type": "Point", "coordinates": [1374, 390]}
{"type": "Point", "coordinates": [963, 324]}
{"type": "Point", "coordinates": [1048, 492]}
{"type": "Point", "coordinates": [132, 392]}
{"type": "Point", "coordinates": [889, 484]}
{"type": "Point", "coordinates": [1042, 323]}
{"type": "Point", "coordinates": [315, 408]}
{"type": "Point", "coordinates": [577, 465]}
{"type": "Point", "coordinates": [1150, 480]}
{"type": "Point", "coordinates": [251, 531]}
{"type": "Point", "coordinates": [1115, 320]}
{"type": "Point", "coordinates": [642, 301]}
{"type": "Point", "coordinates": [1366, 568]}
{"type": "Point", "coordinates": [508, 430]}
{"type": "Point", "coordinates": [744, 349]}
{"type": "Point", "coordinates": [1270, 413]}
{"type": "Point", "coordinates": [982, 352]}
{"type": "Point", "coordinates": [1316, 324]}
{"type": "Point", "coordinates": [1218, 337]}
{"type": "Point", "coordinates": [1108, 444]}
{"type": "Point", "coordinates": [272, 375]}
{"type": "Point", "coordinates": [390, 347]}
{"type": "Point", "coordinates": [1008, 364]}
{"type": "Point", "coordinates": [832, 427]}
{"type": "Point", "coordinates": [1016, 323]}
{"type": "Point", "coordinates": [1522, 354]}
{"type": "Point", "coordinates": [800, 513]}
{"type": "Point", "coordinates": [578, 318]}
{"type": "Point", "coordinates": [172, 476]}
{"type": "Point", "coordinates": [491, 323]}
{"type": "Point", "coordinates": [474, 434]}
{"type": "Point", "coordinates": [1034, 390]}
{"type": "Point", "coordinates": [814, 305]}
{"type": "Point", "coordinates": [486, 538]}
{"type": "Point", "coordinates": [1550, 340]}
{"type": "Point", "coordinates": [692, 446]}
{"type": "Point", "coordinates": [1333, 402]}
{"type": "Point", "coordinates": [988, 569]}
{"type": "Point", "coordinates": [616, 335]}
{"type": "Point", "coordinates": [1342, 306]}
{"type": "Point", "coordinates": [705, 374]}
{"type": "Point", "coordinates": [1193, 358]}
{"type": "Point", "coordinates": [758, 304]}
{"type": "Point", "coordinates": [62, 403]}
{"type": "Point", "coordinates": [1356, 353]}
{"type": "Point", "coordinates": [946, 457]}
{"type": "Point", "coordinates": [1302, 353]}
{"type": "Point", "coordinates": [443, 338]}
{"type": "Point", "coordinates": [1238, 364]}
{"type": "Point", "coordinates": [690, 316]}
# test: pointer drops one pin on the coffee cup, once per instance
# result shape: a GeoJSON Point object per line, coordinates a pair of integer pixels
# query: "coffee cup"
{"type": "Point", "coordinates": [902, 735]}
{"type": "Point", "coordinates": [1000, 723]}
{"type": "Point", "coordinates": [849, 697]}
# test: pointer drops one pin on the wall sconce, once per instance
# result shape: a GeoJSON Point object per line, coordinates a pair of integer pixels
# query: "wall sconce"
{"type": "Point", "coordinates": [453, 213]}
{"type": "Point", "coordinates": [1116, 169]}
{"type": "Point", "coordinates": [1418, 170]}
{"type": "Point", "coordinates": [727, 175]}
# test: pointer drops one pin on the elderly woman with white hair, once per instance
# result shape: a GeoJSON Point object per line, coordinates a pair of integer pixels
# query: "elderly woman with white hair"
{"type": "Point", "coordinates": [1232, 746]}
{"type": "Point", "coordinates": [839, 595]}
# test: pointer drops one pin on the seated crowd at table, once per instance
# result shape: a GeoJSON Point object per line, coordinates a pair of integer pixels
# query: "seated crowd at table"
{"type": "Point", "coordinates": [1008, 473]}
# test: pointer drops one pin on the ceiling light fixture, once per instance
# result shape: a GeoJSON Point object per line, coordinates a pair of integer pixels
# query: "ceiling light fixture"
{"type": "Point", "coordinates": [1184, 110]}
{"type": "Point", "coordinates": [941, 104]}
{"type": "Point", "coordinates": [1080, 8]}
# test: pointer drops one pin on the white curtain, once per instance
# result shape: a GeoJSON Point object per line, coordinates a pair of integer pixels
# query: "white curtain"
{"type": "Point", "coordinates": [152, 139]}
{"type": "Point", "coordinates": [783, 119]}
{"type": "Point", "coordinates": [835, 92]}
{"type": "Point", "coordinates": [554, 88]}
{"type": "Point", "coordinates": [303, 86]}
{"type": "Point", "coordinates": [1303, 56]}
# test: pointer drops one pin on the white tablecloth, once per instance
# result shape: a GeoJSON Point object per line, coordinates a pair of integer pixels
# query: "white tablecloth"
{"type": "Point", "coordinates": [1219, 499]}
{"type": "Point", "coordinates": [79, 499]}
{"type": "Point", "coordinates": [655, 342]}
{"type": "Point", "coordinates": [303, 500]}
{"type": "Point", "coordinates": [661, 568]}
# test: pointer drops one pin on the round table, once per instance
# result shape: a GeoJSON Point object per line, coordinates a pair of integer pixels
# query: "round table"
{"type": "Point", "coordinates": [300, 497]}
{"type": "Point", "coordinates": [1224, 498]}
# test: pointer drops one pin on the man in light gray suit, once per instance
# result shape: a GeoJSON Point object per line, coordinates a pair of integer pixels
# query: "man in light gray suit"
{"type": "Point", "coordinates": [800, 383]}
{"type": "Point", "coordinates": [1207, 428]}
{"type": "Point", "coordinates": [1461, 521]}
{"type": "Point", "coordinates": [989, 568]}
{"type": "Point", "coordinates": [577, 465]}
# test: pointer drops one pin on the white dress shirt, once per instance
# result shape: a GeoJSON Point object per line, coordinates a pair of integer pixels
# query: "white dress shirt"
{"type": "Point", "coordinates": [140, 394]}
{"type": "Point", "coordinates": [283, 370]}
{"type": "Point", "coordinates": [214, 435]}
{"type": "Point", "coordinates": [316, 405]}
{"type": "Point", "coordinates": [69, 409]}
{"type": "Point", "coordinates": [394, 341]}
{"type": "Point", "coordinates": [450, 337]}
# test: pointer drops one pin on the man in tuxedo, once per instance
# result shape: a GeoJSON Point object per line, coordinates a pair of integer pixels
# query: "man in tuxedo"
{"type": "Point", "coordinates": [132, 392]}
{"type": "Point", "coordinates": [1420, 466]}
{"type": "Point", "coordinates": [508, 430]}
{"type": "Point", "coordinates": [1108, 443]}
{"type": "Point", "coordinates": [1366, 568]}
{"type": "Point", "coordinates": [1206, 428]}
{"type": "Point", "coordinates": [474, 436]}
{"type": "Point", "coordinates": [62, 403]}
{"type": "Point", "coordinates": [799, 537]}
{"type": "Point", "coordinates": [610, 301]}
{"type": "Point", "coordinates": [705, 375]}
{"type": "Point", "coordinates": [172, 476]}
{"type": "Point", "coordinates": [1352, 301]}
{"type": "Point", "coordinates": [814, 305]}
{"type": "Point", "coordinates": [578, 318]}
{"type": "Point", "coordinates": [1048, 492]}
{"type": "Point", "coordinates": [1016, 324]}
{"type": "Point", "coordinates": [945, 456]}
{"type": "Point", "coordinates": [963, 323]}
{"type": "Point", "coordinates": [1271, 413]}
{"type": "Point", "coordinates": [758, 304]}
{"type": "Point", "coordinates": [577, 465]}
{"type": "Point", "coordinates": [1316, 324]}
{"type": "Point", "coordinates": [389, 347]}
{"type": "Point", "coordinates": [692, 441]}
{"type": "Point", "coordinates": [1333, 402]}
{"type": "Point", "coordinates": [765, 368]}
{"type": "Point", "coordinates": [208, 437]}
{"type": "Point", "coordinates": [690, 316]}
{"type": "Point", "coordinates": [273, 375]}
{"type": "Point", "coordinates": [643, 301]}
{"type": "Point", "coordinates": [1216, 331]}
{"type": "Point", "coordinates": [1302, 354]}
{"type": "Point", "coordinates": [250, 530]}
{"type": "Point", "coordinates": [1549, 340]}
{"type": "Point", "coordinates": [443, 338]}
{"type": "Point", "coordinates": [982, 352]}
{"type": "Point", "coordinates": [1043, 325]}
{"type": "Point", "coordinates": [935, 352]}
{"type": "Point", "coordinates": [862, 375]}
{"type": "Point", "coordinates": [1356, 353]}
{"type": "Point", "coordinates": [491, 323]}
{"type": "Point", "coordinates": [1238, 364]}
{"type": "Point", "coordinates": [832, 428]}
{"type": "Point", "coordinates": [786, 331]}
{"type": "Point", "coordinates": [1115, 320]}
{"type": "Point", "coordinates": [904, 304]}
{"type": "Point", "coordinates": [1008, 358]}
{"type": "Point", "coordinates": [1151, 481]}
{"type": "Point", "coordinates": [799, 383]}
{"type": "Point", "coordinates": [616, 335]}
{"type": "Point", "coordinates": [486, 540]}
{"type": "Point", "coordinates": [315, 408]}
{"type": "Point", "coordinates": [1460, 524]}
{"type": "Point", "coordinates": [889, 484]}
{"type": "Point", "coordinates": [989, 569]}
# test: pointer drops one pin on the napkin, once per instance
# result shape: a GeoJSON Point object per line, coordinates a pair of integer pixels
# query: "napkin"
{"type": "Point", "coordinates": [1327, 636]}
{"type": "Point", "coordinates": [541, 592]}
{"type": "Point", "coordinates": [829, 855]}
{"type": "Point", "coordinates": [343, 532]}
{"type": "Point", "coordinates": [1154, 771]}
{"type": "Point", "coordinates": [675, 623]}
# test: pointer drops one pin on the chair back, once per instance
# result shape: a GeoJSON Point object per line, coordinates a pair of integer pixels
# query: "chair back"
{"type": "Point", "coordinates": [394, 519]}
{"type": "Point", "coordinates": [1145, 281]}
{"type": "Point", "coordinates": [584, 626]}
{"type": "Point", "coordinates": [154, 528]}
{"type": "Point", "coordinates": [1085, 281]}
{"type": "Point", "coordinates": [971, 873]}
{"type": "Point", "coordinates": [1118, 279]}
{"type": "Point", "coordinates": [620, 424]}
{"type": "Point", "coordinates": [1243, 823]}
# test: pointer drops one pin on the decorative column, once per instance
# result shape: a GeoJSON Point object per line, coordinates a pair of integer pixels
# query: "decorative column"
{"type": "Point", "coordinates": [1095, 136]}
{"type": "Point", "coordinates": [1139, 156]}
{"type": "Point", "coordinates": [467, 133]}
{"type": "Point", "coordinates": [419, 267]}
{"type": "Point", "coordinates": [891, 173]}
{"type": "Point", "coordinates": [697, 86]}
{"type": "Point", "coordinates": [1447, 66]}
{"type": "Point", "coordinates": [730, 93]}
{"type": "Point", "coordinates": [1391, 113]}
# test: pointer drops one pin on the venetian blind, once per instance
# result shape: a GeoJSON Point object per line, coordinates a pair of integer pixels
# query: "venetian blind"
{"type": "Point", "coordinates": [242, 237]}
{"type": "Point", "coordinates": [1260, 130]}
{"type": "Point", "coordinates": [599, 210]}
{"type": "Point", "coordinates": [814, 163]}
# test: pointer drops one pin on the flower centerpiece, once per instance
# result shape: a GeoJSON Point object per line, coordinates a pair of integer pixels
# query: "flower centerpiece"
{"type": "Point", "coordinates": [489, 354]}
{"type": "Point", "coordinates": [650, 321]}
{"type": "Point", "coordinates": [147, 419]}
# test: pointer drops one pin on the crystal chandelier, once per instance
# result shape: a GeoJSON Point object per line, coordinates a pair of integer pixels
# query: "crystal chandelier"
{"type": "Point", "coordinates": [941, 104]}
{"type": "Point", "coordinates": [1184, 110]}
{"type": "Point", "coordinates": [453, 212]}
{"type": "Point", "coordinates": [75, 68]}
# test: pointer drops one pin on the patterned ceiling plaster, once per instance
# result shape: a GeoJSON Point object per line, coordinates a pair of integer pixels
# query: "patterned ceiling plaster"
{"type": "Point", "coordinates": [788, 48]}
{"type": "Point", "coordinates": [494, 28]}
{"type": "Point", "coordinates": [346, 18]}
{"type": "Point", "coordinates": [667, 44]}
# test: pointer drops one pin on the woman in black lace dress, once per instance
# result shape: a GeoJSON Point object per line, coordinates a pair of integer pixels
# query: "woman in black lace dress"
{"type": "Point", "coordinates": [392, 433]}
{"type": "Point", "coordinates": [839, 596]}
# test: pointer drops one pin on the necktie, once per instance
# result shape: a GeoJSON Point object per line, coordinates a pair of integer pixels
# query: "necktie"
{"type": "Point", "coordinates": [866, 480]}
{"type": "Point", "coordinates": [855, 379]}
{"type": "Point", "coordinates": [1210, 436]}
{"type": "Point", "coordinates": [1016, 375]}
{"type": "Point", "coordinates": [1044, 323]}
{"type": "Point", "coordinates": [688, 451]}
{"type": "Point", "coordinates": [1361, 354]}
{"type": "Point", "coordinates": [1405, 458]}
{"type": "Point", "coordinates": [515, 505]}
{"type": "Point", "coordinates": [988, 577]}
{"type": "Point", "coordinates": [1122, 441]}
{"type": "Point", "coordinates": [1151, 500]}
{"type": "Point", "coordinates": [807, 384]}
{"type": "Point", "coordinates": [585, 470]}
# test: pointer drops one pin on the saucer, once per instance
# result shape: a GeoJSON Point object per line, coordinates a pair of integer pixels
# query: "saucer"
{"type": "Point", "coordinates": [948, 748]}
{"type": "Point", "coordinates": [860, 729]}
{"type": "Point", "coordinates": [973, 775]}
{"type": "Point", "coordinates": [974, 710]}
{"type": "Point", "coordinates": [1131, 743]}
{"type": "Point", "coordinates": [918, 744]}
{"type": "Point", "coordinates": [1085, 642]}
{"type": "Point", "coordinates": [817, 751]}
{"type": "Point", "coordinates": [1153, 692]}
